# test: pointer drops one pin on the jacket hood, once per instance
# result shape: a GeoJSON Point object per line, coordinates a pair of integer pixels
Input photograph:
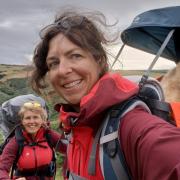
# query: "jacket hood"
{"type": "Point", "coordinates": [111, 89]}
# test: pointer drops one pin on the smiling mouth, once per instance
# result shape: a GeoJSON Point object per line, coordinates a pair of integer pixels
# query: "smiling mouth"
{"type": "Point", "coordinates": [32, 127]}
{"type": "Point", "coordinates": [72, 84]}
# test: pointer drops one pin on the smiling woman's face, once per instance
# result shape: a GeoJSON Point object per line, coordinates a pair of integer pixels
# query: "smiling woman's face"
{"type": "Point", "coordinates": [72, 70]}
{"type": "Point", "coordinates": [32, 122]}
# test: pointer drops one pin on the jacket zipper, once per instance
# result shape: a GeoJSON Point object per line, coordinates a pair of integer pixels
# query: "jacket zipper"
{"type": "Point", "coordinates": [36, 169]}
{"type": "Point", "coordinates": [35, 158]}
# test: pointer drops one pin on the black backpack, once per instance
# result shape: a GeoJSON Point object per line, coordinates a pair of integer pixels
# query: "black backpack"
{"type": "Point", "coordinates": [17, 132]}
{"type": "Point", "coordinates": [112, 160]}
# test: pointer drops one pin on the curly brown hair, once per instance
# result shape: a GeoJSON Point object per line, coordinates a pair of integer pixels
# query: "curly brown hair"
{"type": "Point", "coordinates": [82, 30]}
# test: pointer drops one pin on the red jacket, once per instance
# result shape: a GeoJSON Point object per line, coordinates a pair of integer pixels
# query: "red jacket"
{"type": "Point", "coordinates": [30, 158]}
{"type": "Point", "coordinates": [151, 145]}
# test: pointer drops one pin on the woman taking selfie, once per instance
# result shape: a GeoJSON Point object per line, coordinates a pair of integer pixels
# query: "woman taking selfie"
{"type": "Point", "coordinates": [72, 56]}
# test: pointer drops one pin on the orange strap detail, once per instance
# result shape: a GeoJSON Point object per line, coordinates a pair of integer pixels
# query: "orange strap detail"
{"type": "Point", "coordinates": [176, 112]}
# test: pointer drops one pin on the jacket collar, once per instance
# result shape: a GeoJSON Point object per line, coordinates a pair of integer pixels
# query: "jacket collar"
{"type": "Point", "coordinates": [39, 135]}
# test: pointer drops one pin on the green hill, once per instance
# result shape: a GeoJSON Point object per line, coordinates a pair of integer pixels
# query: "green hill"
{"type": "Point", "coordinates": [14, 80]}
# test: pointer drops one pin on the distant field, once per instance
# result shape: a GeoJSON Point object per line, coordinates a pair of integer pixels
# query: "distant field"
{"type": "Point", "coordinates": [14, 81]}
{"type": "Point", "coordinates": [154, 73]}
{"type": "Point", "coordinates": [18, 71]}
{"type": "Point", "coordinates": [13, 71]}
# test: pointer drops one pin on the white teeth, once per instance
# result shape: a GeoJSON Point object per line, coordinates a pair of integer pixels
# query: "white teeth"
{"type": "Point", "coordinates": [72, 84]}
{"type": "Point", "coordinates": [32, 126]}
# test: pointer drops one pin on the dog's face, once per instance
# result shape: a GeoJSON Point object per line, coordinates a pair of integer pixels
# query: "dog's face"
{"type": "Point", "coordinates": [171, 84]}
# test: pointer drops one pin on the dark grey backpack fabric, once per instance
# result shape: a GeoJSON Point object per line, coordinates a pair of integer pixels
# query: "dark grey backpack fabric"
{"type": "Point", "coordinates": [9, 111]}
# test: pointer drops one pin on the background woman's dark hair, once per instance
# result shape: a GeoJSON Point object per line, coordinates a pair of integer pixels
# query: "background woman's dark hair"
{"type": "Point", "coordinates": [86, 34]}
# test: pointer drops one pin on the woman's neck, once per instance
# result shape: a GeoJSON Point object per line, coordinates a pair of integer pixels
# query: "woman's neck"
{"type": "Point", "coordinates": [71, 108]}
{"type": "Point", "coordinates": [33, 136]}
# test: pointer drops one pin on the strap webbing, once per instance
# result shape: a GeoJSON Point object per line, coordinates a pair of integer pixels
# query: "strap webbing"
{"type": "Point", "coordinates": [20, 141]}
{"type": "Point", "coordinates": [160, 105]}
{"type": "Point", "coordinates": [118, 162]}
{"type": "Point", "coordinates": [73, 176]}
{"type": "Point", "coordinates": [118, 168]}
{"type": "Point", "coordinates": [92, 160]}
{"type": "Point", "coordinates": [109, 137]}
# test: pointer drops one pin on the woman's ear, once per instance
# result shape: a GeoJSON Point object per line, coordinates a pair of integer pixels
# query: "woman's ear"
{"type": "Point", "coordinates": [103, 66]}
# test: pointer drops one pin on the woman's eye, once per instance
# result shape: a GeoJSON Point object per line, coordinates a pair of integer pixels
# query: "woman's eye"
{"type": "Point", "coordinates": [35, 117]}
{"type": "Point", "coordinates": [27, 118]}
{"type": "Point", "coordinates": [53, 65]}
{"type": "Point", "coordinates": [76, 56]}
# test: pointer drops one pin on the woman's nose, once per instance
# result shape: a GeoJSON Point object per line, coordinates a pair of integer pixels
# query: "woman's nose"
{"type": "Point", "coordinates": [31, 119]}
{"type": "Point", "coordinates": [64, 67]}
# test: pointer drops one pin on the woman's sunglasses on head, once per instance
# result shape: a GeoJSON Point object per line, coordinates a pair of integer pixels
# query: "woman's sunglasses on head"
{"type": "Point", "coordinates": [65, 23]}
{"type": "Point", "coordinates": [32, 105]}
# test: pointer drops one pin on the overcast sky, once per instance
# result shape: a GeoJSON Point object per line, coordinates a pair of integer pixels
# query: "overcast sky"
{"type": "Point", "coordinates": [21, 20]}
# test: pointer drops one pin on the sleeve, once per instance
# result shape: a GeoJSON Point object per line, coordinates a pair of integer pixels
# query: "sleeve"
{"type": "Point", "coordinates": [151, 146]}
{"type": "Point", "coordinates": [58, 141]}
{"type": "Point", "coordinates": [7, 158]}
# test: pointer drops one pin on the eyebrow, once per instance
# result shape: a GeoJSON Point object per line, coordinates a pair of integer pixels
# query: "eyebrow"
{"type": "Point", "coordinates": [66, 54]}
{"type": "Point", "coordinates": [72, 50]}
{"type": "Point", "coordinates": [50, 58]}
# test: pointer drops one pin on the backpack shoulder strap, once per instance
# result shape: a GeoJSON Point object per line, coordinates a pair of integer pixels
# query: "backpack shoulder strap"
{"type": "Point", "coordinates": [152, 94]}
{"type": "Point", "coordinates": [52, 165]}
{"type": "Point", "coordinates": [112, 160]}
{"type": "Point", "coordinates": [48, 138]}
{"type": "Point", "coordinates": [20, 141]}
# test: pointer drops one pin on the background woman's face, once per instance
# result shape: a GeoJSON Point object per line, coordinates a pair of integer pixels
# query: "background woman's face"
{"type": "Point", "coordinates": [72, 70]}
{"type": "Point", "coordinates": [32, 122]}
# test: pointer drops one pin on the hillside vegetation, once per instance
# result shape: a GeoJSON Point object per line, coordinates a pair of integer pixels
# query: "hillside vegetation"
{"type": "Point", "coordinates": [14, 82]}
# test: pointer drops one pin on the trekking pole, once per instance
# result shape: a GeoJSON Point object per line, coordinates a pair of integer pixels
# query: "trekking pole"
{"type": "Point", "coordinates": [145, 76]}
{"type": "Point", "coordinates": [117, 56]}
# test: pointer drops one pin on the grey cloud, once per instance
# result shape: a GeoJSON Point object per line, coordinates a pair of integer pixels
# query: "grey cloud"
{"type": "Point", "coordinates": [21, 20]}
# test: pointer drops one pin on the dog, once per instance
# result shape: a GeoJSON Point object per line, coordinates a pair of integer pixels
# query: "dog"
{"type": "Point", "coordinates": [171, 84]}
